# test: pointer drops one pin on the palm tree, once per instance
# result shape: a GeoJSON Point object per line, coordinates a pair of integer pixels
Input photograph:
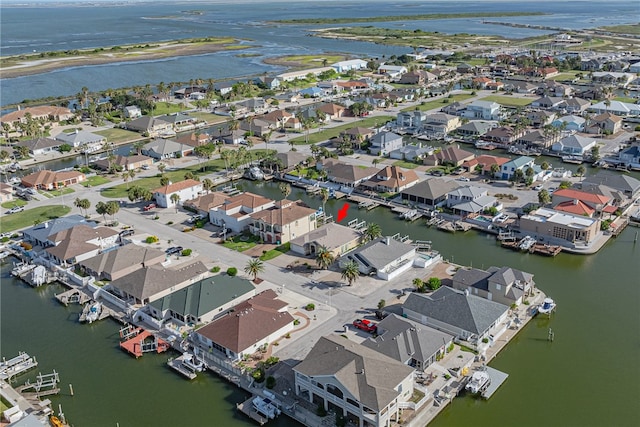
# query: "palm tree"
{"type": "Point", "coordinates": [324, 194]}
{"type": "Point", "coordinates": [350, 272]}
{"type": "Point", "coordinates": [544, 198]}
{"type": "Point", "coordinates": [285, 189]}
{"type": "Point", "coordinates": [161, 167]}
{"type": "Point", "coordinates": [138, 146]}
{"type": "Point", "coordinates": [373, 231]}
{"type": "Point", "coordinates": [419, 284]}
{"type": "Point", "coordinates": [494, 170]}
{"type": "Point", "coordinates": [175, 199]}
{"type": "Point", "coordinates": [375, 161]}
{"type": "Point", "coordinates": [82, 204]}
{"type": "Point", "coordinates": [125, 177]}
{"type": "Point", "coordinates": [254, 267]}
{"type": "Point", "coordinates": [324, 258]}
{"type": "Point", "coordinates": [207, 184]}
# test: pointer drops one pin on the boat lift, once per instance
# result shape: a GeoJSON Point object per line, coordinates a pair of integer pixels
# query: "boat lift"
{"type": "Point", "coordinates": [44, 385]}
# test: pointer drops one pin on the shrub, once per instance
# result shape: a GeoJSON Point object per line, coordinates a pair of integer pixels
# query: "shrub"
{"type": "Point", "coordinates": [215, 269]}
{"type": "Point", "coordinates": [310, 307]}
{"type": "Point", "coordinates": [296, 322]}
{"type": "Point", "coordinates": [288, 335]}
{"type": "Point", "coordinates": [381, 304]}
{"type": "Point", "coordinates": [170, 223]}
{"type": "Point", "coordinates": [271, 382]}
{"type": "Point", "coordinates": [433, 283]}
{"type": "Point", "coordinates": [272, 360]}
{"type": "Point", "coordinates": [151, 239]}
{"type": "Point", "coordinates": [186, 252]}
{"type": "Point", "coordinates": [4, 239]}
{"type": "Point", "coordinates": [258, 375]}
{"type": "Point", "coordinates": [232, 271]}
{"type": "Point", "coordinates": [485, 340]}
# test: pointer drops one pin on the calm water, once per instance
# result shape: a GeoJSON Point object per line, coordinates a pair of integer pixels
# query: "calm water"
{"type": "Point", "coordinates": [28, 29]}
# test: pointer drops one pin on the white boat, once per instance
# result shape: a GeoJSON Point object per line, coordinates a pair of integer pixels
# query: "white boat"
{"type": "Point", "coordinates": [265, 407]}
{"type": "Point", "coordinates": [255, 173]}
{"type": "Point", "coordinates": [479, 382]}
{"type": "Point", "coordinates": [192, 363]}
{"type": "Point", "coordinates": [547, 306]}
{"type": "Point", "coordinates": [94, 312]}
{"type": "Point", "coordinates": [526, 243]}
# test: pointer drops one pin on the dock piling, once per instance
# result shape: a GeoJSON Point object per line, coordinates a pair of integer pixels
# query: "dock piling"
{"type": "Point", "coordinates": [71, 389]}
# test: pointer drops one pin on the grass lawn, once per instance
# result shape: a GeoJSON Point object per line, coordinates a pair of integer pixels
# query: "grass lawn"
{"type": "Point", "coordinates": [94, 180]}
{"type": "Point", "coordinates": [625, 99]}
{"type": "Point", "coordinates": [242, 242]}
{"type": "Point", "coordinates": [438, 103]}
{"type": "Point", "coordinates": [55, 193]}
{"type": "Point", "coordinates": [405, 164]}
{"type": "Point", "coordinates": [282, 249]}
{"type": "Point", "coordinates": [508, 101]}
{"type": "Point", "coordinates": [117, 135]}
{"type": "Point", "coordinates": [327, 134]}
{"type": "Point", "coordinates": [12, 203]}
{"type": "Point", "coordinates": [210, 118]}
{"type": "Point", "coordinates": [567, 75]}
{"type": "Point", "coordinates": [161, 108]}
{"type": "Point", "coordinates": [31, 216]}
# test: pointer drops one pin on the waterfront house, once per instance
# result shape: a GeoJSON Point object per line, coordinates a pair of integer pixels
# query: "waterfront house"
{"type": "Point", "coordinates": [385, 257]}
{"type": "Point", "coordinates": [267, 82]}
{"type": "Point", "coordinates": [548, 102]}
{"type": "Point", "coordinates": [132, 112]}
{"type": "Point", "coordinates": [235, 213]}
{"type": "Point", "coordinates": [630, 156]}
{"type": "Point", "coordinates": [284, 221]}
{"type": "Point", "coordinates": [150, 126]}
{"type": "Point", "coordinates": [288, 160]}
{"type": "Point", "coordinates": [469, 199]}
{"type": "Point", "coordinates": [503, 135]}
{"type": "Point", "coordinates": [505, 285]}
{"type": "Point", "coordinates": [361, 384]}
{"type": "Point", "coordinates": [626, 185]}
{"type": "Point", "coordinates": [384, 142]}
{"type": "Point", "coordinates": [453, 156]}
{"type": "Point", "coordinates": [409, 342]}
{"type": "Point", "coordinates": [440, 124]}
{"type": "Point", "coordinates": [301, 74]}
{"type": "Point", "coordinates": [184, 190]}
{"type": "Point", "coordinates": [204, 203]}
{"type": "Point", "coordinates": [194, 139]}
{"type": "Point", "coordinates": [161, 149]}
{"type": "Point", "coordinates": [483, 163]}
{"type": "Point", "coordinates": [573, 123]}
{"type": "Point", "coordinates": [38, 235]}
{"type": "Point", "coordinates": [474, 128]}
{"type": "Point", "coordinates": [125, 163]}
{"type": "Point", "coordinates": [574, 106]}
{"type": "Point", "coordinates": [49, 115]}
{"type": "Point", "coordinates": [348, 65]}
{"type": "Point", "coordinates": [247, 328]}
{"type": "Point", "coordinates": [535, 138]}
{"type": "Point", "coordinates": [345, 174]}
{"type": "Point", "coordinates": [152, 282]}
{"type": "Point", "coordinates": [455, 108]}
{"type": "Point", "coordinates": [6, 192]}
{"type": "Point", "coordinates": [618, 108]}
{"type": "Point", "coordinates": [541, 118]}
{"type": "Point", "coordinates": [51, 180]}
{"type": "Point", "coordinates": [486, 110]}
{"type": "Point", "coordinates": [465, 316]}
{"type": "Point", "coordinates": [179, 121]}
{"type": "Point", "coordinates": [520, 163]}
{"type": "Point", "coordinates": [40, 146]}
{"type": "Point", "coordinates": [417, 77]}
{"type": "Point", "coordinates": [119, 262]}
{"type": "Point", "coordinates": [392, 71]}
{"type": "Point", "coordinates": [410, 119]}
{"type": "Point", "coordinates": [574, 145]}
{"type": "Point", "coordinates": [605, 123]}
{"type": "Point", "coordinates": [412, 153]}
{"type": "Point", "coordinates": [581, 202]}
{"type": "Point", "coordinates": [569, 228]}
{"type": "Point", "coordinates": [74, 244]}
{"type": "Point", "coordinates": [333, 237]}
{"type": "Point", "coordinates": [430, 193]}
{"type": "Point", "coordinates": [202, 301]}
{"type": "Point", "coordinates": [80, 138]}
{"type": "Point", "coordinates": [391, 179]}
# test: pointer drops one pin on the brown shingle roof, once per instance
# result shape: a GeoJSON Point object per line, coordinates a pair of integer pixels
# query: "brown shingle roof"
{"type": "Point", "coordinates": [284, 212]}
{"type": "Point", "coordinates": [178, 186]}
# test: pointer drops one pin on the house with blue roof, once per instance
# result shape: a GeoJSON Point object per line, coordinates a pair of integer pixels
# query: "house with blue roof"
{"type": "Point", "coordinates": [508, 169]}
{"type": "Point", "coordinates": [573, 123]}
{"type": "Point", "coordinates": [312, 92]}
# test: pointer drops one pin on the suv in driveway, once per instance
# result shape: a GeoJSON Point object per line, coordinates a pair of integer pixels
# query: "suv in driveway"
{"type": "Point", "coordinates": [365, 325]}
{"type": "Point", "coordinates": [174, 250]}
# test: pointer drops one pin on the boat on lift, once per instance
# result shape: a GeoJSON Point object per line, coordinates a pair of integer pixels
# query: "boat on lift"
{"type": "Point", "coordinates": [547, 306]}
{"type": "Point", "coordinates": [478, 383]}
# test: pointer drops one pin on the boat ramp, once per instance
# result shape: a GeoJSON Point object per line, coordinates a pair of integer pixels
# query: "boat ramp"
{"type": "Point", "coordinates": [17, 365]}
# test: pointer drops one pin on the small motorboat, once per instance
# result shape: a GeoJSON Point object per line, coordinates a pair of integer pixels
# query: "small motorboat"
{"type": "Point", "coordinates": [93, 313]}
{"type": "Point", "coordinates": [192, 363]}
{"type": "Point", "coordinates": [547, 306]}
{"type": "Point", "coordinates": [478, 383]}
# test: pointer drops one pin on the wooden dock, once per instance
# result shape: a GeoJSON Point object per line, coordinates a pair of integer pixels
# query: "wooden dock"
{"type": "Point", "coordinates": [453, 226]}
{"type": "Point", "coordinates": [536, 248]}
{"type": "Point", "coordinates": [246, 408]}
{"type": "Point", "coordinates": [139, 341]}
{"type": "Point", "coordinates": [17, 365]}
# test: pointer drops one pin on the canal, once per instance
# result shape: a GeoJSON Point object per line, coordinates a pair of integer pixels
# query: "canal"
{"type": "Point", "coordinates": [587, 377]}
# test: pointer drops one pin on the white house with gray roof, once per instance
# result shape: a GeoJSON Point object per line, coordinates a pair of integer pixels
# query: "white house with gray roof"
{"type": "Point", "coordinates": [364, 385]}
{"type": "Point", "coordinates": [79, 138]}
{"type": "Point", "coordinates": [409, 342]}
{"type": "Point", "coordinates": [385, 257]}
{"type": "Point", "coordinates": [574, 145]}
{"type": "Point", "coordinates": [40, 234]}
{"type": "Point", "coordinates": [161, 149]}
{"type": "Point", "coordinates": [469, 199]}
{"type": "Point", "coordinates": [383, 143]}
{"type": "Point", "coordinates": [486, 110]}
{"type": "Point", "coordinates": [505, 285]}
{"type": "Point", "coordinates": [509, 168]}
{"type": "Point", "coordinates": [467, 317]}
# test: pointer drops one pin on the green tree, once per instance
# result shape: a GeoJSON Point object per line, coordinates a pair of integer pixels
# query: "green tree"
{"type": "Point", "coordinates": [433, 283]}
{"type": "Point", "coordinates": [285, 189]}
{"type": "Point", "coordinates": [175, 199]}
{"type": "Point", "coordinates": [419, 284]}
{"type": "Point", "coordinates": [324, 194]}
{"type": "Point", "coordinates": [324, 258]}
{"type": "Point", "coordinates": [350, 272]}
{"type": "Point", "coordinates": [207, 184]}
{"type": "Point", "coordinates": [82, 204]}
{"type": "Point", "coordinates": [161, 167]}
{"type": "Point", "coordinates": [564, 184]}
{"type": "Point", "coordinates": [580, 170]}
{"type": "Point", "coordinates": [254, 267]}
{"type": "Point", "coordinates": [494, 170]}
{"type": "Point", "coordinates": [373, 231]}
{"type": "Point", "coordinates": [544, 198]}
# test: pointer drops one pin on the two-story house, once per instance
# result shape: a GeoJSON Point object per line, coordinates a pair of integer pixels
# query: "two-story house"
{"type": "Point", "coordinates": [235, 213]}
{"type": "Point", "coordinates": [486, 110]}
{"type": "Point", "coordinates": [509, 168]}
{"type": "Point", "coordinates": [382, 143]}
{"type": "Point", "coordinates": [283, 222]}
{"type": "Point", "coordinates": [391, 179]}
{"type": "Point", "coordinates": [172, 194]}
{"type": "Point", "coordinates": [505, 285]}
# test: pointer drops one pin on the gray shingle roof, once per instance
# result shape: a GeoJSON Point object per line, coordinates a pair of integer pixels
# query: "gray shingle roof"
{"type": "Point", "coordinates": [431, 188]}
{"type": "Point", "coordinates": [41, 232]}
{"type": "Point", "coordinates": [367, 375]}
{"type": "Point", "coordinates": [122, 258]}
{"type": "Point", "coordinates": [468, 312]}
{"type": "Point", "coordinates": [381, 252]}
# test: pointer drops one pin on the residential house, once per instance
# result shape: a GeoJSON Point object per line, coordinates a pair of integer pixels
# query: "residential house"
{"type": "Point", "coordinates": [348, 65]}
{"type": "Point", "coordinates": [281, 119]}
{"type": "Point", "coordinates": [204, 203]}
{"type": "Point", "coordinates": [519, 86]}
{"type": "Point", "coordinates": [74, 244]}
{"type": "Point", "coordinates": [312, 92]}
{"type": "Point", "coordinates": [39, 234]}
{"type": "Point", "coordinates": [486, 110]}
{"type": "Point", "coordinates": [183, 190]}
{"type": "Point", "coordinates": [417, 77]}
{"type": "Point", "coordinates": [202, 301]}
{"type": "Point", "coordinates": [605, 123]}
{"type": "Point", "coordinates": [409, 342]}
{"type": "Point", "coordinates": [290, 159]}
{"type": "Point", "coordinates": [494, 85]}
{"type": "Point", "coordinates": [630, 156]}
{"type": "Point", "coordinates": [410, 119]}
{"type": "Point", "coordinates": [540, 118]}
{"type": "Point", "coordinates": [48, 114]}
{"type": "Point", "coordinates": [6, 192]}
{"type": "Point", "coordinates": [391, 179]}
{"type": "Point", "coordinates": [553, 88]}
{"type": "Point", "coordinates": [347, 175]}
{"type": "Point", "coordinates": [503, 135]}
{"type": "Point", "coordinates": [536, 138]}
{"type": "Point", "coordinates": [393, 71]}
{"type": "Point", "coordinates": [474, 128]}
{"type": "Point", "coordinates": [412, 153]}
{"type": "Point", "coordinates": [440, 124]}
{"type": "Point", "coordinates": [468, 200]}
{"type": "Point", "coordinates": [126, 163]}
{"type": "Point", "coordinates": [505, 285]}
{"type": "Point", "coordinates": [385, 257]}
{"type": "Point", "coordinates": [284, 221]}
{"type": "Point", "coordinates": [235, 213]}
{"type": "Point", "coordinates": [574, 145]}
{"type": "Point", "coordinates": [593, 64]}
{"type": "Point", "coordinates": [363, 385]}
{"type": "Point", "coordinates": [574, 106]}
{"type": "Point", "coordinates": [40, 146]}
{"type": "Point", "coordinates": [179, 121]}
{"type": "Point", "coordinates": [161, 149]}
{"type": "Point", "coordinates": [573, 123]}
{"type": "Point", "coordinates": [358, 134]}
{"type": "Point", "coordinates": [430, 193]}
{"type": "Point", "coordinates": [455, 109]}
{"type": "Point", "coordinates": [622, 183]}
{"type": "Point", "coordinates": [467, 317]}
{"type": "Point", "coordinates": [132, 112]}
{"type": "Point", "coordinates": [194, 139]}
{"type": "Point", "coordinates": [333, 237]}
{"type": "Point", "coordinates": [246, 328]}
{"type": "Point", "coordinates": [332, 111]}
{"type": "Point", "coordinates": [267, 82]}
{"type": "Point", "coordinates": [480, 82]}
{"type": "Point", "coordinates": [484, 164]}
{"type": "Point", "coordinates": [295, 75]}
{"type": "Point", "coordinates": [612, 77]}
{"type": "Point", "coordinates": [618, 108]}
{"type": "Point", "coordinates": [80, 138]}
{"type": "Point", "coordinates": [448, 156]}
{"type": "Point", "coordinates": [185, 93]}
{"type": "Point", "coordinates": [116, 263]}
{"type": "Point", "coordinates": [223, 88]}
{"type": "Point", "coordinates": [255, 105]}
{"type": "Point", "coordinates": [564, 226]}
{"type": "Point", "coordinates": [465, 68]}
{"type": "Point", "coordinates": [520, 163]}
{"type": "Point", "coordinates": [51, 180]}
{"type": "Point", "coordinates": [150, 126]}
{"type": "Point", "coordinates": [255, 127]}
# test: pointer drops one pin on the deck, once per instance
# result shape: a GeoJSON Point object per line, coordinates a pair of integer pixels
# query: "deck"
{"type": "Point", "coordinates": [246, 408]}
{"type": "Point", "coordinates": [138, 343]}
{"type": "Point", "coordinates": [497, 378]}
{"type": "Point", "coordinates": [176, 365]}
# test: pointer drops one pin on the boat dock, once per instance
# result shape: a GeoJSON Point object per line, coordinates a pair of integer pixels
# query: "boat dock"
{"type": "Point", "coordinates": [85, 316]}
{"type": "Point", "coordinates": [453, 226]}
{"type": "Point", "coordinates": [138, 341]}
{"type": "Point", "coordinates": [73, 296]}
{"type": "Point", "coordinates": [246, 408]}
{"type": "Point", "coordinates": [17, 365]}
{"type": "Point", "coordinates": [497, 379]}
{"type": "Point", "coordinates": [177, 365]}
{"type": "Point", "coordinates": [531, 247]}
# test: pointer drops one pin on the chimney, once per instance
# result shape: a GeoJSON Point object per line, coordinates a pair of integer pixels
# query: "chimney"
{"type": "Point", "coordinates": [388, 241]}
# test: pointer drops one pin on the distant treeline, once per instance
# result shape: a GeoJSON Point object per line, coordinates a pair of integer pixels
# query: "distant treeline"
{"type": "Point", "coordinates": [405, 17]}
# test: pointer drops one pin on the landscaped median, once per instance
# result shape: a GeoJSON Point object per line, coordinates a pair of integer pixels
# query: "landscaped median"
{"type": "Point", "coordinates": [29, 217]}
{"type": "Point", "coordinates": [326, 134]}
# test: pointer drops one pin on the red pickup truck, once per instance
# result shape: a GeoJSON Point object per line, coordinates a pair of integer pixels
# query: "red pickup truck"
{"type": "Point", "coordinates": [149, 206]}
{"type": "Point", "coordinates": [365, 325]}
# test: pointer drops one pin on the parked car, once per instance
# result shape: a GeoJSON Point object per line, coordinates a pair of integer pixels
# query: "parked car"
{"type": "Point", "coordinates": [145, 167]}
{"type": "Point", "coordinates": [464, 179]}
{"type": "Point", "coordinates": [127, 232]}
{"type": "Point", "coordinates": [150, 206]}
{"type": "Point", "coordinates": [365, 325]}
{"type": "Point", "coordinates": [538, 187]}
{"type": "Point", "coordinates": [15, 209]}
{"type": "Point", "coordinates": [174, 250]}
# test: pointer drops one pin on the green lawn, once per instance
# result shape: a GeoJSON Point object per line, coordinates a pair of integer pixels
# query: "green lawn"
{"type": "Point", "coordinates": [12, 203]}
{"type": "Point", "coordinates": [327, 134]}
{"type": "Point", "coordinates": [282, 249]}
{"type": "Point", "coordinates": [568, 75]}
{"type": "Point", "coordinates": [625, 99]}
{"type": "Point", "coordinates": [242, 242]}
{"type": "Point", "coordinates": [210, 118]}
{"type": "Point", "coordinates": [30, 216]}
{"type": "Point", "coordinates": [117, 135]}
{"type": "Point", "coordinates": [405, 164]}
{"type": "Point", "coordinates": [162, 108]}
{"type": "Point", "coordinates": [439, 103]}
{"type": "Point", "coordinates": [95, 180]}
{"type": "Point", "coordinates": [508, 101]}
{"type": "Point", "coordinates": [55, 193]}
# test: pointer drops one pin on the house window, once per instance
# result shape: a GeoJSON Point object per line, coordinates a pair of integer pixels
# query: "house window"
{"type": "Point", "coordinates": [498, 287]}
